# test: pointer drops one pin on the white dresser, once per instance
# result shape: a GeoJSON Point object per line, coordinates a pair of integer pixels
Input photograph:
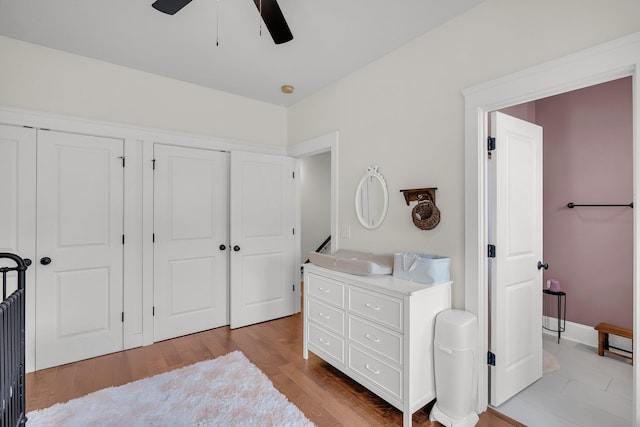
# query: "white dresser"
{"type": "Point", "coordinates": [378, 330]}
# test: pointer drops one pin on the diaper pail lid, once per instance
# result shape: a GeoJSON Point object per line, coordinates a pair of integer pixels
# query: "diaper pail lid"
{"type": "Point", "coordinates": [457, 329]}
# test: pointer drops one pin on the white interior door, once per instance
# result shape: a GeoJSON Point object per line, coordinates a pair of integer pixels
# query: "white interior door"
{"type": "Point", "coordinates": [18, 195]}
{"type": "Point", "coordinates": [18, 214]}
{"type": "Point", "coordinates": [516, 231]}
{"type": "Point", "coordinates": [80, 247]}
{"type": "Point", "coordinates": [191, 206]}
{"type": "Point", "coordinates": [262, 238]}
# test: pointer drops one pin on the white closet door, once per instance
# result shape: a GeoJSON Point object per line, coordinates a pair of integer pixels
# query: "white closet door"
{"type": "Point", "coordinates": [516, 281]}
{"type": "Point", "coordinates": [80, 248]}
{"type": "Point", "coordinates": [18, 195]}
{"type": "Point", "coordinates": [18, 214]}
{"type": "Point", "coordinates": [262, 239]}
{"type": "Point", "coordinates": [191, 240]}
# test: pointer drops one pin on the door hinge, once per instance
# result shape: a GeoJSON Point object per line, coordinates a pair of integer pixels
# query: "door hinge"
{"type": "Point", "coordinates": [293, 174]}
{"type": "Point", "coordinates": [153, 163]}
{"type": "Point", "coordinates": [153, 311]}
{"type": "Point", "coordinates": [491, 143]}
{"type": "Point", "coordinates": [153, 239]}
{"type": "Point", "coordinates": [491, 358]}
{"type": "Point", "coordinates": [123, 316]}
{"type": "Point", "coordinates": [123, 239]}
{"type": "Point", "coordinates": [294, 231]}
{"type": "Point", "coordinates": [293, 287]}
{"type": "Point", "coordinates": [491, 253]}
{"type": "Point", "coordinates": [122, 157]}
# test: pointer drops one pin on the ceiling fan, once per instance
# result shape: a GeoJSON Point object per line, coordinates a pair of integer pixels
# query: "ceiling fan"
{"type": "Point", "coordinates": [269, 10]}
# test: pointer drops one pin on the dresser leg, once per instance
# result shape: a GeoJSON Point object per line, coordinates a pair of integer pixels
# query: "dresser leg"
{"type": "Point", "coordinates": [406, 419]}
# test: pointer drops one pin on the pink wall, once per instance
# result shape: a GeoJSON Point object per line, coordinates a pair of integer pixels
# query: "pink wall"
{"type": "Point", "coordinates": [588, 147]}
{"type": "Point", "coordinates": [588, 159]}
{"type": "Point", "coordinates": [525, 111]}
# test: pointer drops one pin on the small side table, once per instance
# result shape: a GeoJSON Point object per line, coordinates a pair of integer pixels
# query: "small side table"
{"type": "Point", "coordinates": [562, 310]}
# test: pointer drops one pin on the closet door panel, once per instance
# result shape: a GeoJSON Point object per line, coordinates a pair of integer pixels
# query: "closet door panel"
{"type": "Point", "coordinates": [17, 192]}
{"type": "Point", "coordinates": [262, 238]}
{"type": "Point", "coordinates": [18, 214]}
{"type": "Point", "coordinates": [190, 225]}
{"type": "Point", "coordinates": [80, 223]}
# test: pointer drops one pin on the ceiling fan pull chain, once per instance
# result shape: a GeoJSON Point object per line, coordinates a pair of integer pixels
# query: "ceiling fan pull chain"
{"type": "Point", "coordinates": [217, 23]}
{"type": "Point", "coordinates": [260, 19]}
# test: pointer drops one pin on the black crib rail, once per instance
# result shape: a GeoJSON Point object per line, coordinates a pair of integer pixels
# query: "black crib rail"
{"type": "Point", "coordinates": [12, 354]}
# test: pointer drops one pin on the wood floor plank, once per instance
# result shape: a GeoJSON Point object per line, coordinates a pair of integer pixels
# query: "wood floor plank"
{"type": "Point", "coordinates": [83, 381]}
{"type": "Point", "coordinates": [62, 387]}
{"type": "Point", "coordinates": [309, 404]}
{"type": "Point", "coordinates": [41, 384]}
{"type": "Point", "coordinates": [325, 395]}
{"type": "Point", "coordinates": [121, 369]}
{"type": "Point", "coordinates": [170, 353]}
{"type": "Point", "coordinates": [322, 397]}
{"type": "Point", "coordinates": [214, 344]}
{"type": "Point", "coordinates": [103, 376]}
{"type": "Point", "coordinates": [138, 363]}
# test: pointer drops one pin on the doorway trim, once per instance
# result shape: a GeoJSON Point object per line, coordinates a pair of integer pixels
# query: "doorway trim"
{"type": "Point", "coordinates": [602, 63]}
{"type": "Point", "coordinates": [322, 144]}
{"type": "Point", "coordinates": [309, 147]}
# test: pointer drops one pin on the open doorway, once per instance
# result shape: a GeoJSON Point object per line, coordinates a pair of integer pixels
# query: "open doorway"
{"type": "Point", "coordinates": [602, 63]}
{"type": "Point", "coordinates": [316, 155]}
{"type": "Point", "coordinates": [588, 152]}
{"type": "Point", "coordinates": [315, 203]}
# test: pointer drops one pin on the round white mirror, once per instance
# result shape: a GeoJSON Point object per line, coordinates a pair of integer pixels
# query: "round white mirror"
{"type": "Point", "coordinates": [372, 199]}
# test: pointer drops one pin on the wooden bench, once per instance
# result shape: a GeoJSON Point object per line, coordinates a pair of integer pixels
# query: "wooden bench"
{"type": "Point", "coordinates": [604, 329]}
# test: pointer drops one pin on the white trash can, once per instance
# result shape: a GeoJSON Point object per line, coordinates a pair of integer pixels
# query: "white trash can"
{"type": "Point", "coordinates": [455, 359]}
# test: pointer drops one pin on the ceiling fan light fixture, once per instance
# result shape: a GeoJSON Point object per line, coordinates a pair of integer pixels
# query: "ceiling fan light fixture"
{"type": "Point", "coordinates": [287, 89]}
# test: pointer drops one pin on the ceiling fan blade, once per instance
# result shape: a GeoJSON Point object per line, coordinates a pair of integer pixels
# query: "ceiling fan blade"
{"type": "Point", "coordinates": [170, 7]}
{"type": "Point", "coordinates": [274, 20]}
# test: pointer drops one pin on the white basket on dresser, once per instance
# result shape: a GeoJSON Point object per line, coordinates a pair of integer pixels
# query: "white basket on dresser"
{"type": "Point", "coordinates": [378, 330]}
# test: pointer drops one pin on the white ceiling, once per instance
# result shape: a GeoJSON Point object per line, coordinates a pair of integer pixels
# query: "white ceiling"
{"type": "Point", "coordinates": [332, 38]}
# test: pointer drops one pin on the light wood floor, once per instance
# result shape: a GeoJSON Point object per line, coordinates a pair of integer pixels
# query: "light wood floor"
{"type": "Point", "coordinates": [326, 396]}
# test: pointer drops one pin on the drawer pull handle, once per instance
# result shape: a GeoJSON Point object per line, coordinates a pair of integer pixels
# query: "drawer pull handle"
{"type": "Point", "coordinates": [372, 307]}
{"type": "Point", "coordinates": [374, 370]}
{"type": "Point", "coordinates": [370, 338]}
{"type": "Point", "coordinates": [323, 341]}
{"type": "Point", "coordinates": [326, 291]}
{"type": "Point", "coordinates": [324, 316]}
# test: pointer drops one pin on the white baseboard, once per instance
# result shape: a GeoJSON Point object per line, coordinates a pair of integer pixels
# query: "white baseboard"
{"type": "Point", "coordinates": [584, 334]}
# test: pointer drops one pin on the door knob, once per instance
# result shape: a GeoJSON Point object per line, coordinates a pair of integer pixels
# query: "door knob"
{"type": "Point", "coordinates": [45, 260]}
{"type": "Point", "coordinates": [541, 265]}
{"type": "Point", "coordinates": [236, 248]}
{"type": "Point", "coordinates": [222, 247]}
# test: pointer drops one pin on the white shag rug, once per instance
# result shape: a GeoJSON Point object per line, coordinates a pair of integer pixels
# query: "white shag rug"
{"type": "Point", "coordinates": [227, 391]}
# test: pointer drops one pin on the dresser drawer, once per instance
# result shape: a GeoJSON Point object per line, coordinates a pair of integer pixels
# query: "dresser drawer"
{"type": "Point", "coordinates": [325, 344]}
{"type": "Point", "coordinates": [329, 317]}
{"type": "Point", "coordinates": [327, 290]}
{"type": "Point", "coordinates": [381, 309]}
{"type": "Point", "coordinates": [380, 340]}
{"type": "Point", "coordinates": [384, 376]}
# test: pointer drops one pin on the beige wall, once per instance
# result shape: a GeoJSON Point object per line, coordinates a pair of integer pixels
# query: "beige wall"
{"type": "Point", "coordinates": [38, 78]}
{"type": "Point", "coordinates": [405, 112]}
